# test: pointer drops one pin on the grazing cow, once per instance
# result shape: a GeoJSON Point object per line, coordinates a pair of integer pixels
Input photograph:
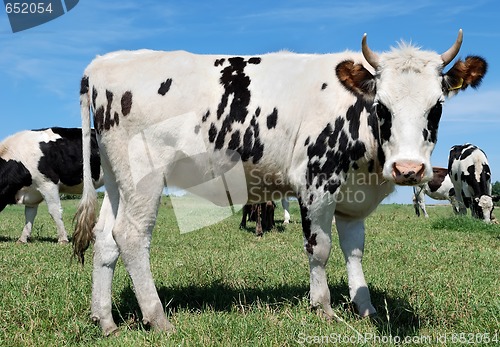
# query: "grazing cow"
{"type": "Point", "coordinates": [470, 174]}
{"type": "Point", "coordinates": [338, 131]}
{"type": "Point", "coordinates": [439, 187]}
{"type": "Point", "coordinates": [37, 165]}
{"type": "Point", "coordinates": [262, 214]}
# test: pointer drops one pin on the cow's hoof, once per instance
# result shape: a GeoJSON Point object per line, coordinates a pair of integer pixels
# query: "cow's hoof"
{"type": "Point", "coordinates": [111, 332]}
{"type": "Point", "coordinates": [63, 242]}
{"type": "Point", "coordinates": [326, 313]}
{"type": "Point", "coordinates": [160, 325]}
{"type": "Point", "coordinates": [21, 242]}
{"type": "Point", "coordinates": [108, 326]}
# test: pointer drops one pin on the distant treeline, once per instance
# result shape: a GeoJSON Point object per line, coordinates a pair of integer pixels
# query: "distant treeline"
{"type": "Point", "coordinates": [100, 195]}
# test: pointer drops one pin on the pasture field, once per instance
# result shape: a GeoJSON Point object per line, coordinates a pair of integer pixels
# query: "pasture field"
{"type": "Point", "coordinates": [433, 281]}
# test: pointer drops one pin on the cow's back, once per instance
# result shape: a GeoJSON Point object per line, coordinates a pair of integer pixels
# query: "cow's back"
{"type": "Point", "coordinates": [53, 154]}
{"type": "Point", "coordinates": [253, 107]}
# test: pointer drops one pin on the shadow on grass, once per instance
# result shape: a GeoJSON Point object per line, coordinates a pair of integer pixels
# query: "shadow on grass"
{"type": "Point", "coordinates": [395, 316]}
{"type": "Point", "coordinates": [401, 320]}
{"type": "Point", "coordinates": [36, 239]}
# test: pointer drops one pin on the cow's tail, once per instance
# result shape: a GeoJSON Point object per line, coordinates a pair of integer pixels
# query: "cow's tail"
{"type": "Point", "coordinates": [85, 217]}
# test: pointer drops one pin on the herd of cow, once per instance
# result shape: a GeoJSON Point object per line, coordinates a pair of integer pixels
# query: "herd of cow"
{"type": "Point", "coordinates": [466, 183]}
{"type": "Point", "coordinates": [317, 127]}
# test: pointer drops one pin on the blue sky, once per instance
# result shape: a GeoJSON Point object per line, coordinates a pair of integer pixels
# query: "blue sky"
{"type": "Point", "coordinates": [40, 68]}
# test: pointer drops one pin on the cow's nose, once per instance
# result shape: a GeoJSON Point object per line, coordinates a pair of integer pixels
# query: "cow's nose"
{"type": "Point", "coordinates": [408, 173]}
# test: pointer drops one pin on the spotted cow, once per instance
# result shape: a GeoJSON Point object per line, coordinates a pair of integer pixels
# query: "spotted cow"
{"type": "Point", "coordinates": [439, 187]}
{"type": "Point", "coordinates": [471, 176]}
{"type": "Point", "coordinates": [37, 165]}
{"type": "Point", "coordinates": [338, 131]}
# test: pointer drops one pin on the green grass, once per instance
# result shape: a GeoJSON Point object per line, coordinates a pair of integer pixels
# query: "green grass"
{"type": "Point", "coordinates": [221, 286]}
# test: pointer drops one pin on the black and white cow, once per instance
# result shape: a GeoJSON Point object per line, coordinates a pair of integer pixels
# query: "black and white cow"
{"type": "Point", "coordinates": [37, 165]}
{"type": "Point", "coordinates": [471, 176]}
{"type": "Point", "coordinates": [439, 187]}
{"type": "Point", "coordinates": [338, 131]}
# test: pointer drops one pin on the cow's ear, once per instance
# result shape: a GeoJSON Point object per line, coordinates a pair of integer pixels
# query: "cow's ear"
{"type": "Point", "coordinates": [356, 78]}
{"type": "Point", "coordinates": [464, 73]}
{"type": "Point", "coordinates": [495, 198]}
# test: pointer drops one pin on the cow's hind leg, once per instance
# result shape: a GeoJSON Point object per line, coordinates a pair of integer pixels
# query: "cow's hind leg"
{"type": "Point", "coordinates": [352, 240]}
{"type": "Point", "coordinates": [105, 257]}
{"type": "Point", "coordinates": [51, 196]}
{"type": "Point", "coordinates": [29, 214]}
{"type": "Point", "coordinates": [317, 227]}
{"type": "Point", "coordinates": [132, 233]}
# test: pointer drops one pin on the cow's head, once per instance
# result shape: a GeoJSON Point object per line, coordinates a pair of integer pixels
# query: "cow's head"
{"type": "Point", "coordinates": [482, 208]}
{"type": "Point", "coordinates": [408, 89]}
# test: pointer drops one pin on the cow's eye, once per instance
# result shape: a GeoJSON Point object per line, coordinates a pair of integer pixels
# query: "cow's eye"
{"type": "Point", "coordinates": [435, 112]}
{"type": "Point", "coordinates": [385, 118]}
{"type": "Point", "coordinates": [383, 112]}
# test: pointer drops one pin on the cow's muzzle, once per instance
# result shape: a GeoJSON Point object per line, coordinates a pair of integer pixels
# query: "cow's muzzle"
{"type": "Point", "coordinates": [408, 173]}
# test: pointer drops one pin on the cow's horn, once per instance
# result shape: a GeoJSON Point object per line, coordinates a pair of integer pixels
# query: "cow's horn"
{"type": "Point", "coordinates": [370, 56]}
{"type": "Point", "coordinates": [451, 53]}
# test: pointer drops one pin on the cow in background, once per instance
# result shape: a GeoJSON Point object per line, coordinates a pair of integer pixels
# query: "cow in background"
{"type": "Point", "coordinates": [250, 214]}
{"type": "Point", "coordinates": [470, 174]}
{"type": "Point", "coordinates": [37, 165]}
{"type": "Point", "coordinates": [262, 214]}
{"type": "Point", "coordinates": [439, 187]}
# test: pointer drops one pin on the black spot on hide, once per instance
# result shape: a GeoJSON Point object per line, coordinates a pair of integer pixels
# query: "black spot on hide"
{"type": "Point", "coordinates": [233, 115]}
{"type": "Point", "coordinates": [99, 119]}
{"type": "Point", "coordinates": [433, 122]}
{"type": "Point", "coordinates": [13, 176]}
{"type": "Point", "coordinates": [126, 102]}
{"type": "Point", "coordinates": [165, 87]}
{"type": "Point", "coordinates": [385, 119]}
{"type": "Point", "coordinates": [272, 119]}
{"type": "Point", "coordinates": [94, 96]}
{"type": "Point", "coordinates": [84, 85]}
{"type": "Point", "coordinates": [219, 62]}
{"type": "Point", "coordinates": [254, 60]}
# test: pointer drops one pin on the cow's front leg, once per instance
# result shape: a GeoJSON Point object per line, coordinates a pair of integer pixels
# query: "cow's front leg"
{"type": "Point", "coordinates": [352, 241]}
{"type": "Point", "coordinates": [317, 229]}
{"type": "Point", "coordinates": [105, 257]}
{"type": "Point", "coordinates": [29, 215]}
